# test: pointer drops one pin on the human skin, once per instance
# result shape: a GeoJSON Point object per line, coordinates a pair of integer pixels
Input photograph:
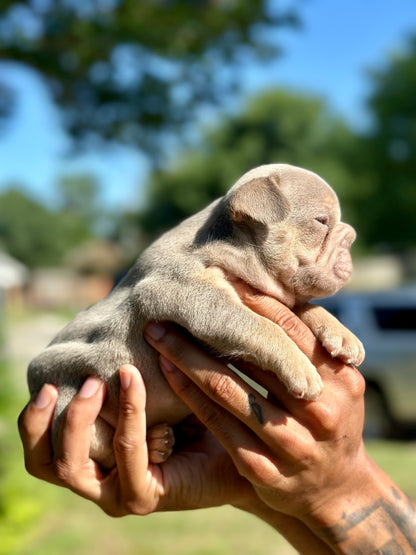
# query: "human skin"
{"type": "Point", "coordinates": [300, 466]}
{"type": "Point", "coordinates": [306, 459]}
{"type": "Point", "coordinates": [201, 475]}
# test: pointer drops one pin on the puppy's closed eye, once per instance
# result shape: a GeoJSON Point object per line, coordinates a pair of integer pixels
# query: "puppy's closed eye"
{"type": "Point", "coordinates": [323, 220]}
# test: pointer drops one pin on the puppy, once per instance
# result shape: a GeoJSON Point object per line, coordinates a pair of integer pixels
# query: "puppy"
{"type": "Point", "coordinates": [279, 230]}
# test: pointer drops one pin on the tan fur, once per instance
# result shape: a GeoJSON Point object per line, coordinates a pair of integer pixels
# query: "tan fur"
{"type": "Point", "coordinates": [279, 230]}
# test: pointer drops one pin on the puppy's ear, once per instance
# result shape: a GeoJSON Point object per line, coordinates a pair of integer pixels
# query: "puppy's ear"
{"type": "Point", "coordinates": [260, 200]}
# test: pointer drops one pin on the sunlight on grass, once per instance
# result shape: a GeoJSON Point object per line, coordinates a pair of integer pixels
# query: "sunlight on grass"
{"type": "Point", "coordinates": [398, 460]}
{"type": "Point", "coordinates": [39, 519]}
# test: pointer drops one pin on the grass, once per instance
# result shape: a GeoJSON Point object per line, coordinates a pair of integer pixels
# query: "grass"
{"type": "Point", "coordinates": [87, 531]}
{"type": "Point", "coordinates": [39, 519]}
{"type": "Point", "coordinates": [398, 460]}
{"type": "Point", "coordinates": [63, 523]}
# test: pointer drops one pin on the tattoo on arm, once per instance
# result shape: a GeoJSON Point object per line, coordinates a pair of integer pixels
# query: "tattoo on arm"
{"type": "Point", "coordinates": [382, 528]}
{"type": "Point", "coordinates": [255, 407]}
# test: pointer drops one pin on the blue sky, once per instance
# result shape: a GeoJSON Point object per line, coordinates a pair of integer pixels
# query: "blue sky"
{"type": "Point", "coordinates": [339, 42]}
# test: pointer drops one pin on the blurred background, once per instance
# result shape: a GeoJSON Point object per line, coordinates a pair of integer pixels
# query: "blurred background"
{"type": "Point", "coordinates": [118, 118]}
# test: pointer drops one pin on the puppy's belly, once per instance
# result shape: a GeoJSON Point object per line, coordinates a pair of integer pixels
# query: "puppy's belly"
{"type": "Point", "coordinates": [101, 446]}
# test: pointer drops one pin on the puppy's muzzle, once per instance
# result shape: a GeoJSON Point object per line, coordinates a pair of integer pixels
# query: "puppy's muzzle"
{"type": "Point", "coordinates": [347, 235]}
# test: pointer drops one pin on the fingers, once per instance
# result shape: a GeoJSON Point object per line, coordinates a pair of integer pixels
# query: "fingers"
{"type": "Point", "coordinates": [228, 406]}
{"type": "Point", "coordinates": [278, 313]}
{"type": "Point", "coordinates": [224, 385]}
{"type": "Point", "coordinates": [238, 439]}
{"type": "Point", "coordinates": [76, 428]}
{"type": "Point", "coordinates": [130, 438]}
{"type": "Point", "coordinates": [34, 424]}
{"type": "Point", "coordinates": [73, 466]}
{"type": "Point", "coordinates": [321, 418]}
{"type": "Point", "coordinates": [341, 379]}
{"type": "Point", "coordinates": [131, 486]}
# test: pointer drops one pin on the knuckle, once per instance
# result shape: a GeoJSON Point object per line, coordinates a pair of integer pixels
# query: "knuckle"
{"type": "Point", "coordinates": [31, 468]}
{"type": "Point", "coordinates": [257, 469]}
{"type": "Point", "coordinates": [356, 383]}
{"type": "Point", "coordinates": [128, 409]}
{"type": "Point", "coordinates": [113, 512]}
{"type": "Point", "coordinates": [286, 319]}
{"type": "Point", "coordinates": [329, 417]}
{"type": "Point", "coordinates": [124, 444]}
{"type": "Point", "coordinates": [293, 326]}
{"type": "Point", "coordinates": [21, 423]}
{"type": "Point", "coordinates": [211, 418]}
{"type": "Point", "coordinates": [71, 417]}
{"type": "Point", "coordinates": [222, 386]}
{"type": "Point", "coordinates": [65, 471]}
{"type": "Point", "coordinates": [136, 507]}
{"type": "Point", "coordinates": [128, 504]}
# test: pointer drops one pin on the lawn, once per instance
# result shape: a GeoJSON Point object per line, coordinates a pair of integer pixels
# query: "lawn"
{"type": "Point", "coordinates": [39, 519]}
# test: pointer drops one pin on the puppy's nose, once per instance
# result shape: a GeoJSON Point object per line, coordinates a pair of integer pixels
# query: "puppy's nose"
{"type": "Point", "coordinates": [348, 235]}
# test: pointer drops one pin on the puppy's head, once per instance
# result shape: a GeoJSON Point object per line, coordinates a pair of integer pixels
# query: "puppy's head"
{"type": "Point", "coordinates": [304, 245]}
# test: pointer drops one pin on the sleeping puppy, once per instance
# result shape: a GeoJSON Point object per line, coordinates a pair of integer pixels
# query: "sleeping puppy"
{"type": "Point", "coordinates": [277, 229]}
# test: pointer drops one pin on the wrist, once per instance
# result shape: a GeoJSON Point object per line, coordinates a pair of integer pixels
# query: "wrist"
{"type": "Point", "coordinates": [292, 529]}
{"type": "Point", "coordinates": [369, 514]}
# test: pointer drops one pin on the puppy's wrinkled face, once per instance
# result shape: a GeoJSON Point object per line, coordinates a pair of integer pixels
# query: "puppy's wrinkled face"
{"type": "Point", "coordinates": [315, 258]}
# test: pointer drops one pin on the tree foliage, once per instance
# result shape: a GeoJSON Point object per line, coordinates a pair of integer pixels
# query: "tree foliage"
{"type": "Point", "coordinates": [389, 154]}
{"type": "Point", "coordinates": [127, 69]}
{"type": "Point", "coordinates": [274, 126]}
{"type": "Point", "coordinates": [36, 235]}
{"type": "Point", "coordinates": [373, 172]}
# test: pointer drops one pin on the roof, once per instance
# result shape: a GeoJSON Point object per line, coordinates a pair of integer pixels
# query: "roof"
{"type": "Point", "coordinates": [12, 272]}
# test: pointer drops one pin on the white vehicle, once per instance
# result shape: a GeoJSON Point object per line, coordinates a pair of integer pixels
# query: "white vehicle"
{"type": "Point", "coordinates": [386, 324]}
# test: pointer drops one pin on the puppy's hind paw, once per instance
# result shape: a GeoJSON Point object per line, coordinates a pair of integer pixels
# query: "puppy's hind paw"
{"type": "Point", "coordinates": [160, 442]}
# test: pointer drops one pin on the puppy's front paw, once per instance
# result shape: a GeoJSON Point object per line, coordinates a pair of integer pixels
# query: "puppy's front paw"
{"type": "Point", "coordinates": [308, 388]}
{"type": "Point", "coordinates": [160, 442]}
{"type": "Point", "coordinates": [343, 344]}
{"type": "Point", "coordinates": [338, 340]}
{"type": "Point", "coordinates": [301, 377]}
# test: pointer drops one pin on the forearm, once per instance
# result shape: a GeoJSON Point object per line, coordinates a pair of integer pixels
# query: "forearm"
{"type": "Point", "coordinates": [377, 518]}
{"type": "Point", "coordinates": [295, 531]}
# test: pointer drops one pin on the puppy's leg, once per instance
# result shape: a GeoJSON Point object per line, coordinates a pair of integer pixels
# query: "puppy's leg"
{"type": "Point", "coordinates": [217, 316]}
{"type": "Point", "coordinates": [160, 442]}
{"type": "Point", "coordinates": [338, 340]}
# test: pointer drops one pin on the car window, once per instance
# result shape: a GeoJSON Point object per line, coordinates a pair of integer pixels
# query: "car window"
{"type": "Point", "coordinates": [334, 310]}
{"type": "Point", "coordinates": [393, 318]}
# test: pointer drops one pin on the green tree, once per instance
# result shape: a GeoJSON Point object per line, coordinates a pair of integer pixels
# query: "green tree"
{"type": "Point", "coordinates": [389, 149]}
{"type": "Point", "coordinates": [129, 69]}
{"type": "Point", "coordinates": [78, 195]}
{"type": "Point", "coordinates": [274, 126]}
{"type": "Point", "coordinates": [36, 235]}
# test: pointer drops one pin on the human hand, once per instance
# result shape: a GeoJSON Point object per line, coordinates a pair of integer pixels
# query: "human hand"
{"type": "Point", "coordinates": [292, 451]}
{"type": "Point", "coordinates": [305, 459]}
{"type": "Point", "coordinates": [200, 475]}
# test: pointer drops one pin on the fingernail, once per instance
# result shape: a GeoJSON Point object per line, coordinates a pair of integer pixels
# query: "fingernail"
{"type": "Point", "coordinates": [155, 331]}
{"type": "Point", "coordinates": [90, 387]}
{"type": "Point", "coordinates": [43, 398]}
{"type": "Point", "coordinates": [125, 379]}
{"type": "Point", "coordinates": [166, 365]}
